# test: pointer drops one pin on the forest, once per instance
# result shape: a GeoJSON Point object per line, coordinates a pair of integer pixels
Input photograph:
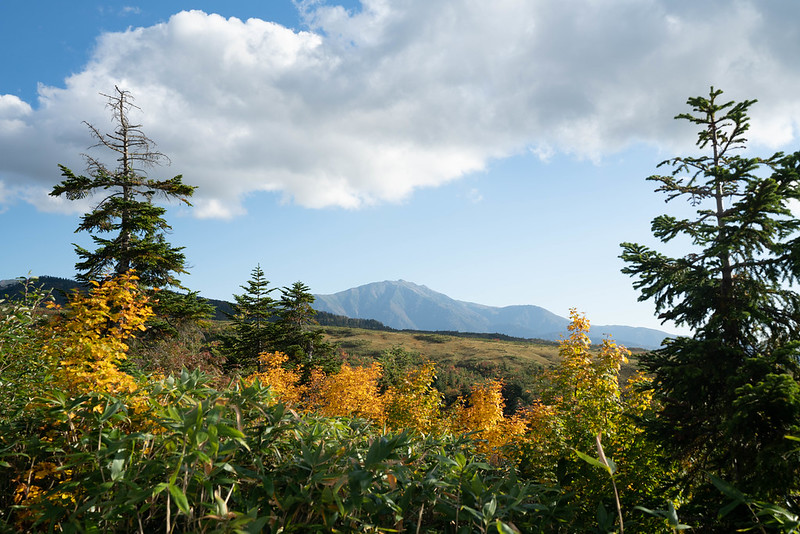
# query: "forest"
{"type": "Point", "coordinates": [128, 408]}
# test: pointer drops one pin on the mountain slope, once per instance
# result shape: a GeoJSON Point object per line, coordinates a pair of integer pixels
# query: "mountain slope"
{"type": "Point", "coordinates": [404, 305]}
{"type": "Point", "coordinates": [62, 287]}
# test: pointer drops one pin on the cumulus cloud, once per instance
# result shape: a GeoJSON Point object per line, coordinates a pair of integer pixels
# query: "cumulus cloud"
{"type": "Point", "coordinates": [367, 106]}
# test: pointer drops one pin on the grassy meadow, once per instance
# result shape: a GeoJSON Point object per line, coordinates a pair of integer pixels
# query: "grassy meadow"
{"type": "Point", "coordinates": [445, 348]}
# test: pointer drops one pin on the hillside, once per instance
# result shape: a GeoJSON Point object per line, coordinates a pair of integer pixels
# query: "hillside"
{"type": "Point", "coordinates": [402, 305]}
{"type": "Point", "coordinates": [463, 360]}
{"type": "Point", "coordinates": [406, 306]}
{"type": "Point", "coordinates": [60, 288]}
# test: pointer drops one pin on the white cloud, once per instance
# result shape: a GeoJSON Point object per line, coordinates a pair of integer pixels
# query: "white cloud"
{"type": "Point", "coordinates": [365, 107]}
{"type": "Point", "coordinates": [11, 106]}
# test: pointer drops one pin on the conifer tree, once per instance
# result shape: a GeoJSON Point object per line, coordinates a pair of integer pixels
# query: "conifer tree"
{"type": "Point", "coordinates": [253, 324]}
{"type": "Point", "coordinates": [126, 209]}
{"type": "Point", "coordinates": [730, 393]}
{"type": "Point", "coordinates": [294, 333]}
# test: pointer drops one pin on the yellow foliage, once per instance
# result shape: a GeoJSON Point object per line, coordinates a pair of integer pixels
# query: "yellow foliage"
{"type": "Point", "coordinates": [585, 385]}
{"type": "Point", "coordinates": [353, 391]}
{"type": "Point", "coordinates": [482, 412]}
{"type": "Point", "coordinates": [415, 403]}
{"type": "Point", "coordinates": [583, 398]}
{"type": "Point", "coordinates": [33, 486]}
{"type": "Point", "coordinates": [90, 338]}
{"type": "Point", "coordinates": [285, 383]}
{"type": "Point", "coordinates": [546, 432]}
{"type": "Point", "coordinates": [412, 404]}
{"type": "Point", "coordinates": [483, 409]}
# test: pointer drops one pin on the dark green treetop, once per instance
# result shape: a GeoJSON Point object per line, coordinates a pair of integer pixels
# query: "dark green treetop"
{"type": "Point", "coordinates": [126, 212]}
{"type": "Point", "coordinates": [296, 307]}
{"type": "Point", "coordinates": [737, 283]}
{"type": "Point", "coordinates": [253, 327]}
{"type": "Point", "coordinates": [295, 335]}
{"type": "Point", "coordinates": [729, 393]}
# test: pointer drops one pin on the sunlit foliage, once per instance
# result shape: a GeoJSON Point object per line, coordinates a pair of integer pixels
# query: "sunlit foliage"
{"type": "Point", "coordinates": [344, 451]}
{"type": "Point", "coordinates": [414, 403]}
{"type": "Point", "coordinates": [482, 413]}
{"type": "Point", "coordinates": [581, 399]}
{"type": "Point", "coordinates": [90, 337]}
{"type": "Point", "coordinates": [285, 383]}
{"type": "Point", "coordinates": [352, 392]}
{"type": "Point", "coordinates": [22, 338]}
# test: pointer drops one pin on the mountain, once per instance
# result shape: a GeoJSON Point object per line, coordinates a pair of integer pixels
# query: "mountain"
{"type": "Point", "coordinates": [408, 306]}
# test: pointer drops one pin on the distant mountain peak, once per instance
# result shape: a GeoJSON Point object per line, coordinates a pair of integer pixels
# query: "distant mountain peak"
{"type": "Point", "coordinates": [405, 305]}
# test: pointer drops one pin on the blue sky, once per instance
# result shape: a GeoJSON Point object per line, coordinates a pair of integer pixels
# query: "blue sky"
{"type": "Point", "coordinates": [493, 151]}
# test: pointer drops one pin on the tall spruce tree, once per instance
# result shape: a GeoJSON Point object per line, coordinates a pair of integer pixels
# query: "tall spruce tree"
{"type": "Point", "coordinates": [730, 393]}
{"type": "Point", "coordinates": [126, 209]}
{"type": "Point", "coordinates": [253, 324]}
{"type": "Point", "coordinates": [295, 336]}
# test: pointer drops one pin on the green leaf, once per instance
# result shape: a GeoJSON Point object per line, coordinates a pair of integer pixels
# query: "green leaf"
{"type": "Point", "coordinates": [110, 410]}
{"type": "Point", "coordinates": [593, 461]}
{"type": "Point", "coordinates": [672, 515]}
{"type": "Point", "coordinates": [159, 488]}
{"type": "Point", "coordinates": [460, 460]}
{"type": "Point", "coordinates": [229, 432]}
{"type": "Point", "coordinates": [490, 508]}
{"type": "Point", "coordinates": [222, 506]}
{"type": "Point", "coordinates": [117, 467]}
{"type": "Point", "coordinates": [602, 514]}
{"type": "Point", "coordinates": [502, 528]}
{"type": "Point", "coordinates": [672, 518]}
{"type": "Point", "coordinates": [727, 489]}
{"type": "Point", "coordinates": [180, 498]}
{"type": "Point", "coordinates": [728, 508]}
{"type": "Point", "coordinates": [255, 527]}
{"type": "Point", "coordinates": [612, 466]}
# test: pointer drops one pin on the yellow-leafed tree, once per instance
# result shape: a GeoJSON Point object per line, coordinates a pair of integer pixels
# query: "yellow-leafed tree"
{"type": "Point", "coordinates": [482, 412]}
{"type": "Point", "coordinates": [352, 392]}
{"type": "Point", "coordinates": [285, 383]}
{"type": "Point", "coordinates": [90, 337]}
{"type": "Point", "coordinates": [582, 398]}
{"type": "Point", "coordinates": [414, 403]}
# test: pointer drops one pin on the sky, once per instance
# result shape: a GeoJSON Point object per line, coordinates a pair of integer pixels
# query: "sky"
{"type": "Point", "coordinates": [496, 152]}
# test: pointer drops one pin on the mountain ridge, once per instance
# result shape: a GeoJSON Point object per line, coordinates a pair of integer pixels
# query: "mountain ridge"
{"type": "Point", "coordinates": [405, 305]}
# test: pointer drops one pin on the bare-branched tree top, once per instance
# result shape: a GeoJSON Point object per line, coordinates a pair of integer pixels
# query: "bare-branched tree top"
{"type": "Point", "coordinates": [126, 213]}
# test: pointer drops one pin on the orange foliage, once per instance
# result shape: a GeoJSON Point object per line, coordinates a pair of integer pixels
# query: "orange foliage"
{"type": "Point", "coordinates": [413, 404]}
{"type": "Point", "coordinates": [285, 383]}
{"type": "Point", "coordinates": [483, 413]}
{"type": "Point", "coordinates": [352, 392]}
